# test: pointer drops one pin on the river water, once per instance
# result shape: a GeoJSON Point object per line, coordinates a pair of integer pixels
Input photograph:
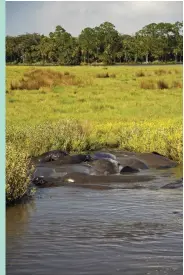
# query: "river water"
{"type": "Point", "coordinates": [74, 230]}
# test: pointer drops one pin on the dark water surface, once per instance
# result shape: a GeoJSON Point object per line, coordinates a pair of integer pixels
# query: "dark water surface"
{"type": "Point", "coordinates": [73, 230]}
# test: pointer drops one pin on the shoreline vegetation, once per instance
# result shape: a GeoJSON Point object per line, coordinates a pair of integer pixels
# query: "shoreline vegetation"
{"type": "Point", "coordinates": [88, 108]}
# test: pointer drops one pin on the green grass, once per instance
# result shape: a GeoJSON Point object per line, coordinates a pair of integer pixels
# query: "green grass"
{"type": "Point", "coordinates": [138, 108]}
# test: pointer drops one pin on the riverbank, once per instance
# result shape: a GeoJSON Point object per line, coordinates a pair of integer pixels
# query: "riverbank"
{"type": "Point", "coordinates": [131, 108]}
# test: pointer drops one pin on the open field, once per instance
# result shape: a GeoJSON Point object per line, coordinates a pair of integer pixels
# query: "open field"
{"type": "Point", "coordinates": [87, 108]}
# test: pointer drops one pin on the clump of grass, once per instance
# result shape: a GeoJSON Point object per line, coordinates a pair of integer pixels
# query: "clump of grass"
{"type": "Point", "coordinates": [176, 71]}
{"type": "Point", "coordinates": [147, 85]}
{"type": "Point", "coordinates": [12, 100]}
{"type": "Point", "coordinates": [105, 75]}
{"type": "Point", "coordinates": [17, 179]}
{"type": "Point", "coordinates": [140, 74]}
{"type": "Point", "coordinates": [177, 84]}
{"type": "Point", "coordinates": [39, 78]}
{"type": "Point", "coordinates": [162, 84]}
{"type": "Point", "coordinates": [102, 75]}
{"type": "Point", "coordinates": [160, 72]}
{"type": "Point", "coordinates": [151, 85]}
{"type": "Point", "coordinates": [66, 73]}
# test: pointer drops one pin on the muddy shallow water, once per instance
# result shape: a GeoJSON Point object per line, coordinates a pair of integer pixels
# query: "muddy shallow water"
{"type": "Point", "coordinates": [72, 230]}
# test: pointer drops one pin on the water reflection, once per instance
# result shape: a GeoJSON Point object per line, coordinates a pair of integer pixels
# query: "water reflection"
{"type": "Point", "coordinates": [17, 218]}
{"type": "Point", "coordinates": [85, 231]}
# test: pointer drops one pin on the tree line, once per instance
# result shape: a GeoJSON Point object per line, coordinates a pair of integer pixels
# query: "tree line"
{"type": "Point", "coordinates": [162, 42]}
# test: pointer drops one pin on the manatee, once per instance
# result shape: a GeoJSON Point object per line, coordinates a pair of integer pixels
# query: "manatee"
{"type": "Point", "coordinates": [112, 181]}
{"type": "Point", "coordinates": [128, 169]}
{"type": "Point", "coordinates": [43, 172]}
{"type": "Point", "coordinates": [133, 162]}
{"type": "Point", "coordinates": [52, 155]}
{"type": "Point", "coordinates": [174, 185]}
{"type": "Point", "coordinates": [73, 159]}
{"type": "Point", "coordinates": [156, 153]}
{"type": "Point", "coordinates": [96, 181]}
{"type": "Point", "coordinates": [40, 181]}
{"type": "Point", "coordinates": [102, 155]}
{"type": "Point", "coordinates": [105, 166]}
{"type": "Point", "coordinates": [155, 160]}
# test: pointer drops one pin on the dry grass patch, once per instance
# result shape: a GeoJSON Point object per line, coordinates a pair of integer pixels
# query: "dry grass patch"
{"type": "Point", "coordinates": [147, 85]}
{"type": "Point", "coordinates": [39, 78]}
{"type": "Point", "coordinates": [177, 84]}
{"type": "Point", "coordinates": [105, 75]}
{"type": "Point", "coordinates": [160, 72]}
{"type": "Point", "coordinates": [150, 84]}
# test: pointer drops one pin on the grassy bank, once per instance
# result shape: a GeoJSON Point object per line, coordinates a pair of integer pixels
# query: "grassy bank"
{"type": "Point", "coordinates": [87, 108]}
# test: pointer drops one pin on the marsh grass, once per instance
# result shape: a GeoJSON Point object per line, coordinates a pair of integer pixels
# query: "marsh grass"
{"type": "Point", "coordinates": [73, 135]}
{"type": "Point", "coordinates": [118, 112]}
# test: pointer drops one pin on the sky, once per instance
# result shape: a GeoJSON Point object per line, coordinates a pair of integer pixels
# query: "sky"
{"type": "Point", "coordinates": [127, 16]}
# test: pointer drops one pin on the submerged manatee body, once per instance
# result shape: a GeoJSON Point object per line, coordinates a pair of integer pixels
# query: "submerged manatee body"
{"type": "Point", "coordinates": [133, 162]}
{"type": "Point", "coordinates": [103, 155]}
{"type": "Point", "coordinates": [174, 185]}
{"type": "Point", "coordinates": [155, 160]}
{"type": "Point", "coordinates": [96, 182]}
